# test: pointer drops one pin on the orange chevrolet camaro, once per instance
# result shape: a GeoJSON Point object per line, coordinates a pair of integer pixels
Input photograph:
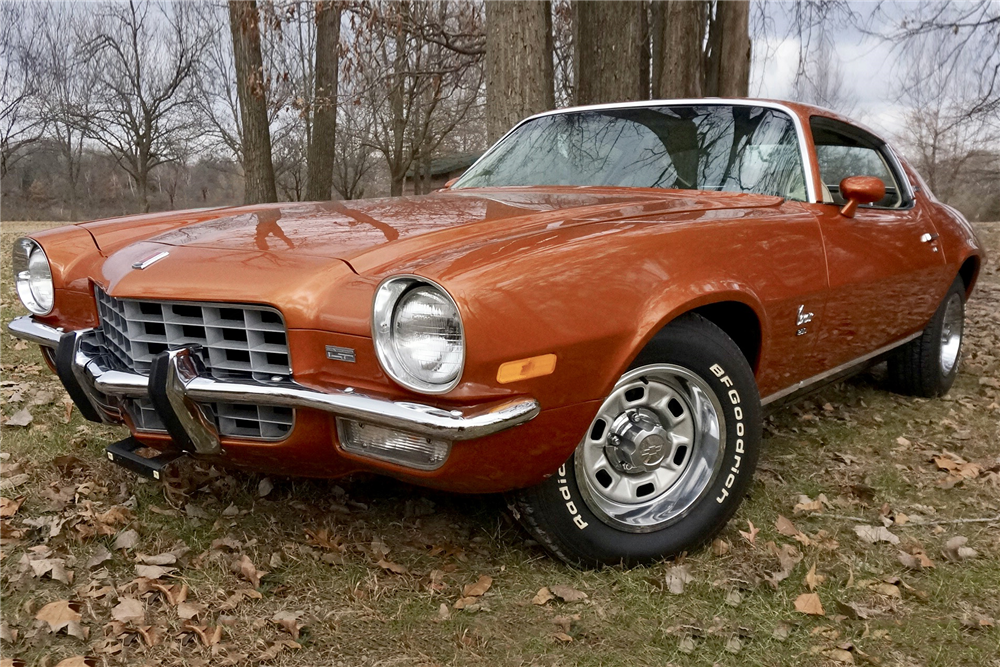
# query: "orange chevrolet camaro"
{"type": "Point", "coordinates": [591, 319]}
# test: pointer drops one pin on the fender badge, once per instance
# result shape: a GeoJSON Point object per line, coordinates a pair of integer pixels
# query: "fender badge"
{"type": "Point", "coordinates": [335, 353]}
{"type": "Point", "coordinates": [149, 261]}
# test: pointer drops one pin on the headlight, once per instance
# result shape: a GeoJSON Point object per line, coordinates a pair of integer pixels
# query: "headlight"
{"type": "Point", "coordinates": [418, 334]}
{"type": "Point", "coordinates": [33, 276]}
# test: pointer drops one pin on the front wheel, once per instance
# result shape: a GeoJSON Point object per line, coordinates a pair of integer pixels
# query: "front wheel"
{"type": "Point", "coordinates": [666, 461]}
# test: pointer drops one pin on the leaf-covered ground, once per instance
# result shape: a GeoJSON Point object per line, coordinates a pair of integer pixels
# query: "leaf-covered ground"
{"type": "Point", "coordinates": [856, 546]}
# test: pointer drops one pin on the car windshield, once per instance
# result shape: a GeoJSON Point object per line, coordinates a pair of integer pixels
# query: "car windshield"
{"type": "Point", "coordinates": [704, 147]}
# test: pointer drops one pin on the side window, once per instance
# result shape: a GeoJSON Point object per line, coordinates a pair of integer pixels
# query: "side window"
{"type": "Point", "coordinates": [842, 151]}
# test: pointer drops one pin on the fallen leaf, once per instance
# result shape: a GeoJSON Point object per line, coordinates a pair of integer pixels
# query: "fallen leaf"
{"type": "Point", "coordinates": [209, 635]}
{"type": "Point", "coordinates": [58, 614]}
{"type": "Point", "coordinates": [915, 561]}
{"type": "Point", "coordinates": [875, 534]}
{"type": "Point", "coordinates": [567, 593]}
{"type": "Point", "coordinates": [808, 603]}
{"type": "Point", "coordinates": [77, 661]}
{"type": "Point", "coordinates": [444, 613]}
{"type": "Point", "coordinates": [676, 577]}
{"type": "Point", "coordinates": [245, 567]}
{"type": "Point", "coordinates": [127, 539]}
{"type": "Point", "coordinates": [167, 558]}
{"type": "Point", "coordinates": [129, 610]}
{"type": "Point", "coordinates": [813, 580]}
{"type": "Point", "coordinates": [786, 527]}
{"type": "Point", "coordinates": [265, 487]}
{"type": "Point", "coordinates": [807, 504]}
{"type": "Point", "coordinates": [101, 555]}
{"type": "Point", "coordinates": [153, 571]}
{"type": "Point", "coordinates": [751, 535]}
{"type": "Point", "coordinates": [955, 549]}
{"type": "Point", "coordinates": [479, 588]}
{"type": "Point", "coordinates": [20, 418]}
{"type": "Point", "coordinates": [188, 610]}
{"type": "Point", "coordinates": [840, 655]}
{"type": "Point", "coordinates": [395, 568]}
{"type": "Point", "coordinates": [9, 507]}
{"type": "Point", "coordinates": [278, 647]}
{"type": "Point", "coordinates": [150, 634]}
{"type": "Point", "coordinates": [542, 596]}
{"type": "Point", "coordinates": [720, 547]}
{"type": "Point", "coordinates": [289, 621]}
{"type": "Point", "coordinates": [563, 637]}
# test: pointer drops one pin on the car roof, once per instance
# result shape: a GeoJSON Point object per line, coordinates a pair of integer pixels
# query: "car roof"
{"type": "Point", "coordinates": [800, 110]}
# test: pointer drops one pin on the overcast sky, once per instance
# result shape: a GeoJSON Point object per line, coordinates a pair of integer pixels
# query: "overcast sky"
{"type": "Point", "coordinates": [873, 68]}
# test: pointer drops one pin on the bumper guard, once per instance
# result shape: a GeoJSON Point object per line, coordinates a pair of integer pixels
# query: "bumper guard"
{"type": "Point", "coordinates": [178, 382]}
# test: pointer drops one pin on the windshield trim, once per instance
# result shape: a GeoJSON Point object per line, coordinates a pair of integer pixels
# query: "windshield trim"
{"type": "Point", "coordinates": [811, 191]}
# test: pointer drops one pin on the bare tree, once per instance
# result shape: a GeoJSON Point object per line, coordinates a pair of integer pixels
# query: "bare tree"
{"type": "Point", "coordinates": [324, 104]}
{"type": "Point", "coordinates": [258, 170]}
{"type": "Point", "coordinates": [20, 125]}
{"type": "Point", "coordinates": [70, 79]}
{"type": "Point", "coordinates": [519, 70]}
{"type": "Point", "coordinates": [419, 91]}
{"type": "Point", "coordinates": [968, 39]}
{"type": "Point", "coordinates": [946, 143]}
{"type": "Point", "coordinates": [727, 60]}
{"type": "Point", "coordinates": [820, 81]}
{"type": "Point", "coordinates": [354, 157]}
{"type": "Point", "coordinates": [146, 56]}
{"type": "Point", "coordinates": [610, 37]}
{"type": "Point", "coordinates": [684, 30]}
{"type": "Point", "coordinates": [564, 52]}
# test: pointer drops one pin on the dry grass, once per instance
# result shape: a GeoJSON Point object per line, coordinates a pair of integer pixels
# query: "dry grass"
{"type": "Point", "coordinates": [868, 451]}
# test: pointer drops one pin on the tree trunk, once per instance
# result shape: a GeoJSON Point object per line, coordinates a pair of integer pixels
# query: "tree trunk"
{"type": "Point", "coordinates": [681, 75]}
{"type": "Point", "coordinates": [610, 51]}
{"type": "Point", "coordinates": [656, 11]}
{"type": "Point", "coordinates": [732, 20]}
{"type": "Point", "coordinates": [258, 170]}
{"type": "Point", "coordinates": [519, 78]}
{"type": "Point", "coordinates": [645, 52]}
{"type": "Point", "coordinates": [321, 143]}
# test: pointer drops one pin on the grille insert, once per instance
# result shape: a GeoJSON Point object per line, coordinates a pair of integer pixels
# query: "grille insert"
{"type": "Point", "coordinates": [237, 342]}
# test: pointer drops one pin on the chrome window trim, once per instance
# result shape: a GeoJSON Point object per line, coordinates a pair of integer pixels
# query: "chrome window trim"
{"type": "Point", "coordinates": [812, 193]}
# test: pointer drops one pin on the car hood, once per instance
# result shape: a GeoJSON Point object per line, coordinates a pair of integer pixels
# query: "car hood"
{"type": "Point", "coordinates": [368, 234]}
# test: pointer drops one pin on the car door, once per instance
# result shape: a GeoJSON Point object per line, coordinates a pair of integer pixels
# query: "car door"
{"type": "Point", "coordinates": [884, 264]}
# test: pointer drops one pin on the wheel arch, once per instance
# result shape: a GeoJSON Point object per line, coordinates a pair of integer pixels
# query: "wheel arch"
{"type": "Point", "coordinates": [969, 273]}
{"type": "Point", "coordinates": [739, 314]}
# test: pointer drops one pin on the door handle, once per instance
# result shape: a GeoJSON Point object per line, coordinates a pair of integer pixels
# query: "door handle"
{"type": "Point", "coordinates": [928, 238]}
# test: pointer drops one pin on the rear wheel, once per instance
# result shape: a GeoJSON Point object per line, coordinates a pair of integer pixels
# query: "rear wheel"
{"type": "Point", "coordinates": [666, 460]}
{"type": "Point", "coordinates": [927, 366]}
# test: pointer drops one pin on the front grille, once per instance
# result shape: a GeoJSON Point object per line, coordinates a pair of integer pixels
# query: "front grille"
{"type": "Point", "coordinates": [236, 342]}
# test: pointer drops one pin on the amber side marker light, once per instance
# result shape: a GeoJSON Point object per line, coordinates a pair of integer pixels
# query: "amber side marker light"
{"type": "Point", "coordinates": [523, 369]}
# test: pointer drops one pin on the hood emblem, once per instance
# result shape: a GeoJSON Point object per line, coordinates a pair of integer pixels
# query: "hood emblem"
{"type": "Point", "coordinates": [149, 261]}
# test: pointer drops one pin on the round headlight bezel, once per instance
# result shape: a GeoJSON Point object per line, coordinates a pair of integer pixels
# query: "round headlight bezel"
{"type": "Point", "coordinates": [388, 296]}
{"type": "Point", "coordinates": [24, 250]}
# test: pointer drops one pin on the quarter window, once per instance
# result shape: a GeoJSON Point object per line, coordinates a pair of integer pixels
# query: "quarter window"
{"type": "Point", "coordinates": [843, 151]}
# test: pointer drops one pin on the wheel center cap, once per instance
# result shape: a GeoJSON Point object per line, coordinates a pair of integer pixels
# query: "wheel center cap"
{"type": "Point", "coordinates": [637, 442]}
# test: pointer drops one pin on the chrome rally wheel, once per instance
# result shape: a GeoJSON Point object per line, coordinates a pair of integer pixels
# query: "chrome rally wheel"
{"type": "Point", "coordinates": [652, 450]}
{"type": "Point", "coordinates": [928, 365]}
{"type": "Point", "coordinates": [951, 332]}
{"type": "Point", "coordinates": [664, 463]}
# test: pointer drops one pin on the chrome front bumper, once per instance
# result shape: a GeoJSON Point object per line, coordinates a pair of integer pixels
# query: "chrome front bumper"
{"type": "Point", "coordinates": [179, 382]}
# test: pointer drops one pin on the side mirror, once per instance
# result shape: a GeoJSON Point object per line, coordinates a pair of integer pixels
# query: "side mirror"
{"type": "Point", "coordinates": [451, 182]}
{"type": "Point", "coordinates": [860, 190]}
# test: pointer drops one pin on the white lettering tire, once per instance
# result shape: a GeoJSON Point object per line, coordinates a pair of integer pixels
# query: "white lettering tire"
{"type": "Point", "coordinates": [666, 461]}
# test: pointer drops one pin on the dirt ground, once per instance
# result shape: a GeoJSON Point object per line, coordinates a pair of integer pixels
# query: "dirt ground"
{"type": "Point", "coordinates": [871, 536]}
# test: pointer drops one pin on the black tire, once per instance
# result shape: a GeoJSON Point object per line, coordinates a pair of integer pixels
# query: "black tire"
{"type": "Point", "coordinates": [561, 517]}
{"type": "Point", "coordinates": [921, 367]}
